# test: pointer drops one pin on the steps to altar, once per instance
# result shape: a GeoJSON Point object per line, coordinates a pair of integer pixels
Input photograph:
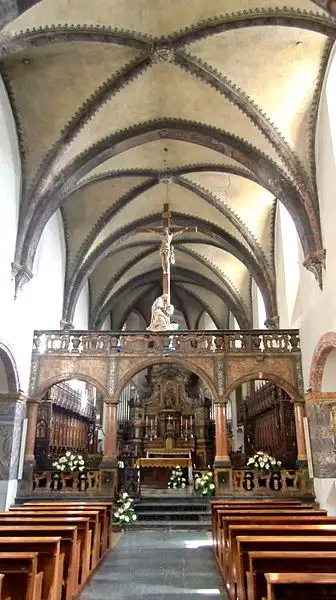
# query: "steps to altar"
{"type": "Point", "coordinates": [173, 513]}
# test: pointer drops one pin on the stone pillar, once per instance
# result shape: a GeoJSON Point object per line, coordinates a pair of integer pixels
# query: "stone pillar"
{"type": "Point", "coordinates": [109, 465]}
{"type": "Point", "coordinates": [12, 410]}
{"type": "Point", "coordinates": [222, 443]}
{"type": "Point", "coordinates": [300, 438]}
{"type": "Point", "coordinates": [32, 407]}
{"type": "Point", "coordinates": [110, 441]}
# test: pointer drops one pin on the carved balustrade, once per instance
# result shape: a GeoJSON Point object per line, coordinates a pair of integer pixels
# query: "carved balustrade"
{"type": "Point", "coordinates": [185, 342]}
{"type": "Point", "coordinates": [51, 482]}
{"type": "Point", "coordinates": [291, 482]}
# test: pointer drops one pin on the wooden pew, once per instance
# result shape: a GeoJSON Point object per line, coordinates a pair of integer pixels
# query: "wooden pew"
{"type": "Point", "coordinates": [297, 543]}
{"type": "Point", "coordinates": [287, 529]}
{"type": "Point", "coordinates": [263, 562]}
{"type": "Point", "coordinates": [264, 519]}
{"type": "Point", "coordinates": [50, 560]}
{"type": "Point", "coordinates": [94, 518]}
{"type": "Point", "coordinates": [109, 512]}
{"type": "Point", "coordinates": [83, 534]}
{"type": "Point", "coordinates": [217, 505]}
{"type": "Point", "coordinates": [69, 546]}
{"type": "Point", "coordinates": [106, 515]}
{"type": "Point", "coordinates": [221, 509]}
{"type": "Point", "coordinates": [312, 586]}
{"type": "Point", "coordinates": [20, 578]}
{"type": "Point", "coordinates": [267, 510]}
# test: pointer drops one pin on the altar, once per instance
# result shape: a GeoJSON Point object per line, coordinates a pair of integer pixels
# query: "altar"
{"type": "Point", "coordinates": [156, 470]}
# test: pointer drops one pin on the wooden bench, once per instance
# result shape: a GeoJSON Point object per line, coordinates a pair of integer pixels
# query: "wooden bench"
{"type": "Point", "coordinates": [263, 562]}
{"type": "Point", "coordinates": [84, 534]}
{"type": "Point", "coordinates": [311, 586]}
{"type": "Point", "coordinates": [287, 529]}
{"type": "Point", "coordinates": [69, 547]}
{"type": "Point", "coordinates": [217, 505]}
{"type": "Point", "coordinates": [94, 519]}
{"type": "Point", "coordinates": [253, 506]}
{"type": "Point", "coordinates": [246, 544]}
{"type": "Point", "coordinates": [20, 577]}
{"type": "Point", "coordinates": [104, 508]}
{"type": "Point", "coordinates": [49, 560]}
{"type": "Point", "coordinates": [80, 505]}
{"type": "Point", "coordinates": [263, 519]}
{"type": "Point", "coordinates": [267, 510]}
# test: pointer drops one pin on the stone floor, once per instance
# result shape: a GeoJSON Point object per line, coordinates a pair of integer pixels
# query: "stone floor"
{"type": "Point", "coordinates": [158, 565]}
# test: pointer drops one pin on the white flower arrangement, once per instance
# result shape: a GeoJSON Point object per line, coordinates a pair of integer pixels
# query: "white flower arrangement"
{"type": "Point", "coordinates": [177, 480]}
{"type": "Point", "coordinates": [204, 484]}
{"type": "Point", "coordinates": [124, 513]}
{"type": "Point", "coordinates": [69, 462]}
{"type": "Point", "coordinates": [262, 461]}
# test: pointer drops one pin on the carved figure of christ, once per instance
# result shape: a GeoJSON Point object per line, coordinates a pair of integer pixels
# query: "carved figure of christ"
{"type": "Point", "coordinates": [167, 255]}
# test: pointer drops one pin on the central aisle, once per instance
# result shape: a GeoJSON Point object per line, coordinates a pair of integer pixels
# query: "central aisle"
{"type": "Point", "coordinates": [158, 565]}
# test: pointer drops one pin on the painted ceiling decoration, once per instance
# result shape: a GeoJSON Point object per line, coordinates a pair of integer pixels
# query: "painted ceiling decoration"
{"type": "Point", "coordinates": [122, 104]}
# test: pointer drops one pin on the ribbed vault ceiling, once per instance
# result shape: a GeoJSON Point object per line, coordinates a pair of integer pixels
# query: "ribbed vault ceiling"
{"type": "Point", "coordinates": [210, 104]}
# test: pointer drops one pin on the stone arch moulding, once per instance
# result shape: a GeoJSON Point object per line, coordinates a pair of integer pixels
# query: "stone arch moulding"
{"type": "Point", "coordinates": [268, 375]}
{"type": "Point", "coordinates": [12, 374]}
{"type": "Point", "coordinates": [127, 367]}
{"type": "Point", "coordinates": [51, 371]}
{"type": "Point", "coordinates": [324, 346]}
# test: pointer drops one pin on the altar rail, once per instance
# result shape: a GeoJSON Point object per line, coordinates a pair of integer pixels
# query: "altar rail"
{"type": "Point", "coordinates": [51, 482]}
{"type": "Point", "coordinates": [287, 482]}
{"type": "Point", "coordinates": [254, 341]}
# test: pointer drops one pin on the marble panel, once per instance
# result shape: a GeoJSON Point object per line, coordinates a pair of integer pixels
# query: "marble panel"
{"type": "Point", "coordinates": [322, 439]}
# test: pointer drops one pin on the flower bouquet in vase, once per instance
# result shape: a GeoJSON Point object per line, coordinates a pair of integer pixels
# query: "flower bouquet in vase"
{"type": "Point", "coordinates": [124, 513]}
{"type": "Point", "coordinates": [264, 463]}
{"type": "Point", "coordinates": [177, 480]}
{"type": "Point", "coordinates": [204, 484]}
{"type": "Point", "coordinates": [69, 462]}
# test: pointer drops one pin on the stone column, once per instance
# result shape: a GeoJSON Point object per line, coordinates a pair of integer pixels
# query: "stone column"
{"type": "Point", "coordinates": [109, 464]}
{"type": "Point", "coordinates": [222, 443]}
{"type": "Point", "coordinates": [110, 441]}
{"type": "Point", "coordinates": [12, 411]}
{"type": "Point", "coordinates": [32, 407]}
{"type": "Point", "coordinates": [300, 438]}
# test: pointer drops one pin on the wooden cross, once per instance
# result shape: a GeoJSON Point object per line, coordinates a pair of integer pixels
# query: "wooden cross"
{"type": "Point", "coordinates": [167, 255]}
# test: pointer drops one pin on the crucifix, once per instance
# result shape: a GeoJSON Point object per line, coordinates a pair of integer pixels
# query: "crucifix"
{"type": "Point", "coordinates": [167, 232]}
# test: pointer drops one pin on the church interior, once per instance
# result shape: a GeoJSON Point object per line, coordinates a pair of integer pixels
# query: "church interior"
{"type": "Point", "coordinates": [167, 294]}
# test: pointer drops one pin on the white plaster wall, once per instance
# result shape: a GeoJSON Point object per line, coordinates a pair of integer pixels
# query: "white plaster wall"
{"type": "Point", "coordinates": [258, 307]}
{"type": "Point", "coordinates": [318, 307]}
{"type": "Point", "coordinates": [313, 310]}
{"type": "Point", "coordinates": [329, 373]}
{"type": "Point", "coordinates": [81, 315]}
{"type": "Point", "coordinates": [39, 303]}
{"type": "Point", "coordinates": [135, 322]}
{"type": "Point", "coordinates": [206, 323]}
{"type": "Point", "coordinates": [106, 326]}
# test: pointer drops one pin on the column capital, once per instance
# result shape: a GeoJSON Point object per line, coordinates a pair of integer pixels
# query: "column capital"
{"type": "Point", "coordinates": [66, 325]}
{"type": "Point", "coordinates": [32, 400]}
{"type": "Point", "coordinates": [10, 397]}
{"type": "Point", "coordinates": [111, 401]}
{"type": "Point", "coordinates": [299, 400]}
